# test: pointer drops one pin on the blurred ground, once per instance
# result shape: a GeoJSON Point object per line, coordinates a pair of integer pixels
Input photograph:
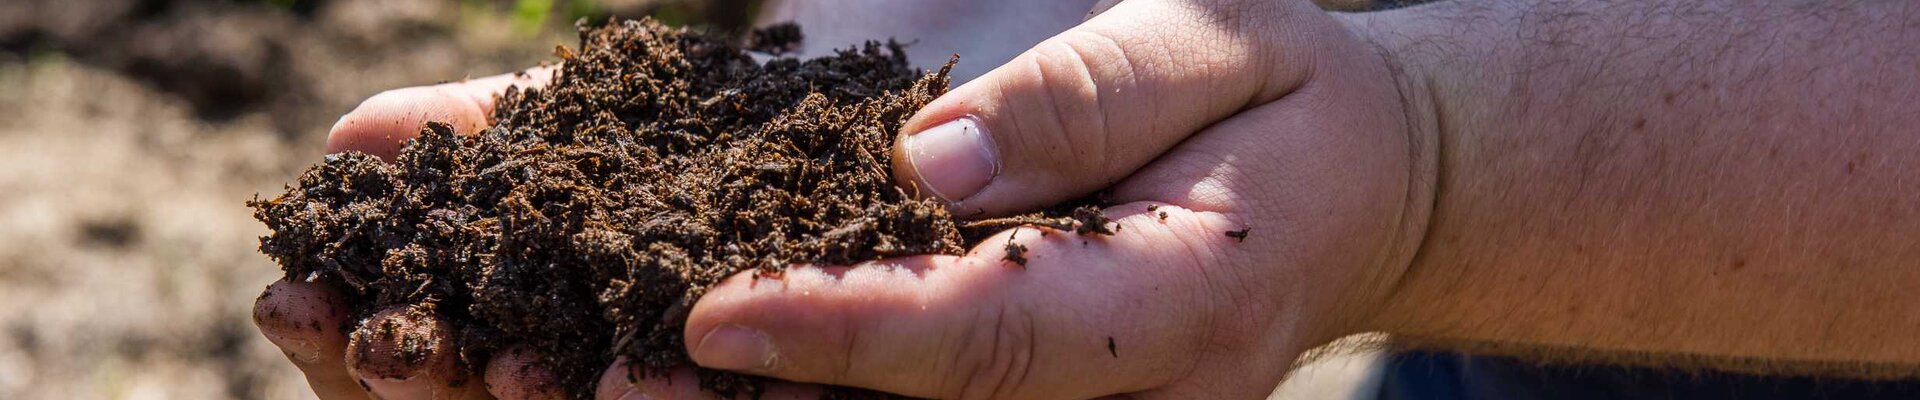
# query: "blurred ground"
{"type": "Point", "coordinates": [132, 130]}
{"type": "Point", "coordinates": [130, 133]}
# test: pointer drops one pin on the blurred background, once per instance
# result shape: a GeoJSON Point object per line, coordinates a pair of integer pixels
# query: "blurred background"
{"type": "Point", "coordinates": [131, 131]}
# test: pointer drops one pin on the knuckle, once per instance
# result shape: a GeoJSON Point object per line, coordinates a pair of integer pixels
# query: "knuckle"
{"type": "Point", "coordinates": [1217, 281]}
{"type": "Point", "coordinates": [995, 357]}
{"type": "Point", "coordinates": [841, 363]}
{"type": "Point", "coordinates": [1081, 72]}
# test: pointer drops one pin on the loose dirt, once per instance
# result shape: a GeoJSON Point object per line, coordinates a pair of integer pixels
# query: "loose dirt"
{"type": "Point", "coordinates": [659, 161]}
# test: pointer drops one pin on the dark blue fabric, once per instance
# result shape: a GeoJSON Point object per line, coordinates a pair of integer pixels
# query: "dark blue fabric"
{"type": "Point", "coordinates": [1447, 376]}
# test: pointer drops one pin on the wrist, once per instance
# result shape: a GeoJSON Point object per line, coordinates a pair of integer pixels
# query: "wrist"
{"type": "Point", "coordinates": [1427, 69]}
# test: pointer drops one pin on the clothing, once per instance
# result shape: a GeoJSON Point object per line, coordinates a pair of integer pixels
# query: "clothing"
{"type": "Point", "coordinates": [1422, 375]}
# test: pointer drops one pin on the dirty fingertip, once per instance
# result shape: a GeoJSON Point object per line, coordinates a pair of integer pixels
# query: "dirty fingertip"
{"type": "Point", "coordinates": [302, 318]}
{"type": "Point", "coordinates": [397, 343]}
{"type": "Point", "coordinates": [520, 374]}
{"type": "Point", "coordinates": [407, 353]}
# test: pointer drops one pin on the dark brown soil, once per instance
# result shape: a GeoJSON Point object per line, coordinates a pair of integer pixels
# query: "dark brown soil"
{"type": "Point", "coordinates": [587, 221]}
{"type": "Point", "coordinates": [1239, 235]}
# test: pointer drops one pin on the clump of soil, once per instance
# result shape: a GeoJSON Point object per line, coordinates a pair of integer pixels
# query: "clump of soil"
{"type": "Point", "coordinates": [590, 217]}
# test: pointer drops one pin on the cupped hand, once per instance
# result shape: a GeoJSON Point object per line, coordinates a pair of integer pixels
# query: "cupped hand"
{"type": "Point", "coordinates": [1270, 120]}
{"type": "Point", "coordinates": [1271, 182]}
{"type": "Point", "coordinates": [308, 320]}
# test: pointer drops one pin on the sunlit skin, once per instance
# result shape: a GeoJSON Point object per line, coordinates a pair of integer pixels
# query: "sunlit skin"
{"type": "Point", "coordinates": [1711, 183]}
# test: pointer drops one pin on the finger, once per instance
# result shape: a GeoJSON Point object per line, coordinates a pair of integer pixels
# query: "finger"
{"type": "Point", "coordinates": [520, 374]}
{"type": "Point", "coordinates": [1084, 317]}
{"type": "Point", "coordinates": [382, 124]}
{"type": "Point", "coordinates": [936, 29]}
{"type": "Point", "coordinates": [620, 383]}
{"type": "Point", "coordinates": [1089, 106]}
{"type": "Point", "coordinates": [407, 353]}
{"type": "Point", "coordinates": [304, 319]}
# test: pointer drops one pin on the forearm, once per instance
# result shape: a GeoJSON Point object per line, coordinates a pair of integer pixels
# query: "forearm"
{"type": "Point", "coordinates": [1721, 179]}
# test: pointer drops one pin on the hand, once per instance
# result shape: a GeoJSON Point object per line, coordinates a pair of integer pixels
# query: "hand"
{"type": "Point", "coordinates": [1221, 115]}
{"type": "Point", "coordinates": [304, 318]}
{"type": "Point", "coordinates": [1282, 121]}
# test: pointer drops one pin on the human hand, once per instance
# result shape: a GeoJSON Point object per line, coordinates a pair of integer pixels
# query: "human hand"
{"type": "Point", "coordinates": [309, 320]}
{"type": "Point", "coordinates": [1283, 121]}
{"type": "Point", "coordinates": [306, 318]}
{"type": "Point", "coordinates": [1219, 115]}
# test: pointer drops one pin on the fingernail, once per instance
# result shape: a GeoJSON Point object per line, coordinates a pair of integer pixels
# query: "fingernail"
{"type": "Point", "coordinates": [735, 348]}
{"type": "Point", "coordinates": [304, 351]}
{"type": "Point", "coordinates": [953, 160]}
{"type": "Point", "coordinates": [398, 388]}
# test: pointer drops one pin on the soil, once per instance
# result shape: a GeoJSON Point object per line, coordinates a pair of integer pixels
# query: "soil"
{"type": "Point", "coordinates": [659, 161]}
{"type": "Point", "coordinates": [1237, 235]}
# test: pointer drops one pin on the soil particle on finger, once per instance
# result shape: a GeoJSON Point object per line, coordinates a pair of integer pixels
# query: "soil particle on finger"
{"type": "Point", "coordinates": [1082, 216]}
{"type": "Point", "coordinates": [1090, 220]}
{"type": "Point", "coordinates": [1239, 235]}
{"type": "Point", "coordinates": [1016, 253]}
{"type": "Point", "coordinates": [596, 210]}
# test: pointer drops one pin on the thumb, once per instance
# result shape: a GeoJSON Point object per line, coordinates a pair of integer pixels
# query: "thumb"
{"type": "Point", "coordinates": [1086, 108]}
{"type": "Point", "coordinates": [1077, 317]}
{"type": "Point", "coordinates": [382, 124]}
